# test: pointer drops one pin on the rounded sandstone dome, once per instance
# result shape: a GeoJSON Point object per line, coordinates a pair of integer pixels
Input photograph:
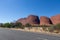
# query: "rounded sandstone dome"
{"type": "Point", "coordinates": [22, 20]}
{"type": "Point", "coordinates": [55, 19]}
{"type": "Point", "coordinates": [44, 20]}
{"type": "Point", "coordinates": [32, 19]}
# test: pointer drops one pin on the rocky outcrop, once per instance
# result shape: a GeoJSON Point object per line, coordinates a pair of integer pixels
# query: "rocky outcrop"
{"type": "Point", "coordinates": [22, 20]}
{"type": "Point", "coordinates": [55, 19]}
{"type": "Point", "coordinates": [31, 19]}
{"type": "Point", "coordinates": [45, 20]}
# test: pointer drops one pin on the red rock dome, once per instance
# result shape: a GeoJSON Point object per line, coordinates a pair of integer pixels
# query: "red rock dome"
{"type": "Point", "coordinates": [44, 20]}
{"type": "Point", "coordinates": [55, 19]}
{"type": "Point", "coordinates": [22, 20]}
{"type": "Point", "coordinates": [32, 19]}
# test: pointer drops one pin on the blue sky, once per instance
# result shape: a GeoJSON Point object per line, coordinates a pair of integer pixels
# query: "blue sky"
{"type": "Point", "coordinates": [11, 10]}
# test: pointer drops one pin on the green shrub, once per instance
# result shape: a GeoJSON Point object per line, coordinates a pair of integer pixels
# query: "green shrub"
{"type": "Point", "coordinates": [18, 25]}
{"type": "Point", "coordinates": [28, 25]}
{"type": "Point", "coordinates": [51, 28]}
{"type": "Point", "coordinates": [8, 25]}
{"type": "Point", "coordinates": [43, 26]}
{"type": "Point", "coordinates": [57, 26]}
{"type": "Point", "coordinates": [12, 25]}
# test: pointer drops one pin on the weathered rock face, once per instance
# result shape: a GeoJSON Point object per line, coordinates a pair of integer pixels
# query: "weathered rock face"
{"type": "Point", "coordinates": [32, 19]}
{"type": "Point", "coordinates": [55, 19]}
{"type": "Point", "coordinates": [45, 20]}
{"type": "Point", "coordinates": [23, 21]}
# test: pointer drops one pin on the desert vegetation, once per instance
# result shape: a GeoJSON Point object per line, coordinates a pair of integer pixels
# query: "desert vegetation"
{"type": "Point", "coordinates": [51, 28]}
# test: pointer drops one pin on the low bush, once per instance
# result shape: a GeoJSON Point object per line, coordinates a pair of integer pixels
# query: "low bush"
{"type": "Point", "coordinates": [28, 25]}
{"type": "Point", "coordinates": [51, 28]}
{"type": "Point", "coordinates": [43, 26]}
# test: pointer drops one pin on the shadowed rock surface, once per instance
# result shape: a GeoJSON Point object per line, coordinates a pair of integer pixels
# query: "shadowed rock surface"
{"type": "Point", "coordinates": [55, 19]}
{"type": "Point", "coordinates": [32, 19]}
{"type": "Point", "coordinates": [45, 20]}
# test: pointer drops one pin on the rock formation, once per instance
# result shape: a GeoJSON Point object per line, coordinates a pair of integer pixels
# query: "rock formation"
{"type": "Point", "coordinates": [31, 19]}
{"type": "Point", "coordinates": [45, 20]}
{"type": "Point", "coordinates": [55, 19]}
{"type": "Point", "coordinates": [22, 20]}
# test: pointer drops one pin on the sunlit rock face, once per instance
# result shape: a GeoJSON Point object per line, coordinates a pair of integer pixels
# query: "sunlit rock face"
{"type": "Point", "coordinates": [55, 19]}
{"type": "Point", "coordinates": [32, 19]}
{"type": "Point", "coordinates": [22, 20]}
{"type": "Point", "coordinates": [45, 20]}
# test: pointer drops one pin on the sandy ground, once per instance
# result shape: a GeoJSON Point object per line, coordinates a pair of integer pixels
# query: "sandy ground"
{"type": "Point", "coordinates": [49, 33]}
